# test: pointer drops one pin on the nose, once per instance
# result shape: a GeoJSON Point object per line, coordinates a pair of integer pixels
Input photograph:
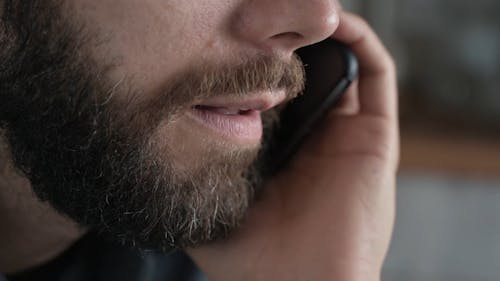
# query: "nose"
{"type": "Point", "coordinates": [282, 26]}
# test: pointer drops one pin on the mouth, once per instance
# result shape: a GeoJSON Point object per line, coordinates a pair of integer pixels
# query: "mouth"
{"type": "Point", "coordinates": [237, 119]}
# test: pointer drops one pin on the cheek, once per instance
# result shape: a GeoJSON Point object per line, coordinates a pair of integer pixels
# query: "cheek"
{"type": "Point", "coordinates": [148, 41]}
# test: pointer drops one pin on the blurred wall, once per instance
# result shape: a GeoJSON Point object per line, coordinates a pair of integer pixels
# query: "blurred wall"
{"type": "Point", "coordinates": [447, 229]}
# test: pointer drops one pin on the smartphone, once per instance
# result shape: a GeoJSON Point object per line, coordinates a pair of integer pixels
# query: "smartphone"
{"type": "Point", "coordinates": [330, 68]}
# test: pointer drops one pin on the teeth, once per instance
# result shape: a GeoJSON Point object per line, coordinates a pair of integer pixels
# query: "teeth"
{"type": "Point", "coordinates": [227, 111]}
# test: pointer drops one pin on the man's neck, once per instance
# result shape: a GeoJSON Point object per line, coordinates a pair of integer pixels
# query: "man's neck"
{"type": "Point", "coordinates": [31, 232]}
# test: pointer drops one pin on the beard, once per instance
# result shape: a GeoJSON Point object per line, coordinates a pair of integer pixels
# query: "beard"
{"type": "Point", "coordinates": [102, 160]}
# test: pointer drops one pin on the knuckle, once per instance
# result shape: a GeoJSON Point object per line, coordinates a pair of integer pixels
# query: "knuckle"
{"type": "Point", "coordinates": [390, 63]}
{"type": "Point", "coordinates": [387, 65]}
{"type": "Point", "coordinates": [361, 21]}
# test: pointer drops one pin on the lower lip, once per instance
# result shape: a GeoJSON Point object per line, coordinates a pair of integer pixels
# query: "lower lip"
{"type": "Point", "coordinates": [245, 127]}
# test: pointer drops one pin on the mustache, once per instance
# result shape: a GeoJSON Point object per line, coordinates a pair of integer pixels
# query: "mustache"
{"type": "Point", "coordinates": [205, 80]}
{"type": "Point", "coordinates": [264, 73]}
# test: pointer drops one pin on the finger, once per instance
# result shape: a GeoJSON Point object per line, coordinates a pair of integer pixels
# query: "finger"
{"type": "Point", "coordinates": [377, 80]}
{"type": "Point", "coordinates": [349, 104]}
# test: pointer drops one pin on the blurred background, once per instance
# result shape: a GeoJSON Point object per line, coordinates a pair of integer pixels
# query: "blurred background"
{"type": "Point", "coordinates": [448, 55]}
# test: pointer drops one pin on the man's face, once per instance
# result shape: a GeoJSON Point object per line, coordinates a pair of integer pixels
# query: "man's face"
{"type": "Point", "coordinates": [144, 118]}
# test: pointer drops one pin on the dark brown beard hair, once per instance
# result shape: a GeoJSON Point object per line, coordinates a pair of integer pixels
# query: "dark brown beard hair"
{"type": "Point", "coordinates": [95, 158]}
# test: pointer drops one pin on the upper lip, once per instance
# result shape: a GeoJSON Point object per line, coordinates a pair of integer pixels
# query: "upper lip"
{"type": "Point", "coordinates": [261, 102]}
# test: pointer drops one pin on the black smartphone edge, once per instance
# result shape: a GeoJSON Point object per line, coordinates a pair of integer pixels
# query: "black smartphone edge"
{"type": "Point", "coordinates": [282, 151]}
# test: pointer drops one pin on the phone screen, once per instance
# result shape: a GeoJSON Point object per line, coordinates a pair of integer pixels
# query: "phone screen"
{"type": "Point", "coordinates": [330, 68]}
